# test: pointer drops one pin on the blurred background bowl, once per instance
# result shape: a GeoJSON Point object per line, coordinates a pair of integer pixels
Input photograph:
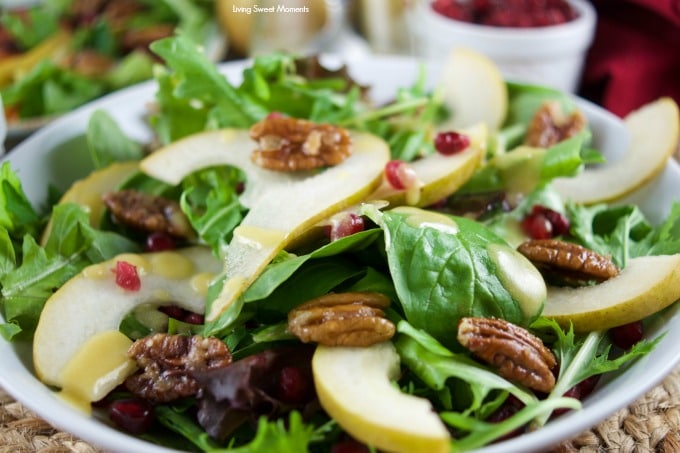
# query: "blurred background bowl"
{"type": "Point", "coordinates": [550, 55]}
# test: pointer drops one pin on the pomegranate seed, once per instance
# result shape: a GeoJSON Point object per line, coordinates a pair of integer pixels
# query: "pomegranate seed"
{"type": "Point", "coordinates": [509, 408]}
{"type": "Point", "coordinates": [132, 415]}
{"type": "Point", "coordinates": [349, 446]}
{"type": "Point", "coordinates": [627, 335]}
{"type": "Point", "coordinates": [400, 175]}
{"type": "Point", "coordinates": [579, 391]}
{"type": "Point", "coordinates": [194, 318]}
{"type": "Point", "coordinates": [537, 226]}
{"type": "Point", "coordinates": [448, 143]}
{"type": "Point", "coordinates": [293, 385]}
{"type": "Point", "coordinates": [127, 277]}
{"type": "Point", "coordinates": [157, 242]}
{"type": "Point", "coordinates": [174, 311]}
{"type": "Point", "coordinates": [345, 224]}
{"type": "Point", "coordinates": [545, 223]}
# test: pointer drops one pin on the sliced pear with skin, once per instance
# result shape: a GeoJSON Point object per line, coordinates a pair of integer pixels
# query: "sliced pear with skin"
{"type": "Point", "coordinates": [355, 388]}
{"type": "Point", "coordinates": [654, 130]}
{"type": "Point", "coordinates": [172, 163]}
{"type": "Point", "coordinates": [645, 286]}
{"type": "Point", "coordinates": [439, 175]}
{"type": "Point", "coordinates": [473, 90]}
{"type": "Point", "coordinates": [280, 215]}
{"type": "Point", "coordinates": [88, 191]}
{"type": "Point", "coordinates": [91, 303]}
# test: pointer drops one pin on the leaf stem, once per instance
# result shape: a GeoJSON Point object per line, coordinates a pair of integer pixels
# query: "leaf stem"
{"type": "Point", "coordinates": [569, 377]}
{"type": "Point", "coordinates": [388, 110]}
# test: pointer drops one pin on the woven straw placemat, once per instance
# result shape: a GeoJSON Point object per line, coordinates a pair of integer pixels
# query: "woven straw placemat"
{"type": "Point", "coordinates": [651, 424]}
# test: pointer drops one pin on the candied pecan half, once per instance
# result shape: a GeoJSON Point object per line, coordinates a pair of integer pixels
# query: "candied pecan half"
{"type": "Point", "coordinates": [148, 213]}
{"type": "Point", "coordinates": [291, 144]}
{"type": "Point", "coordinates": [519, 355]}
{"type": "Point", "coordinates": [342, 319]}
{"type": "Point", "coordinates": [167, 361]}
{"type": "Point", "coordinates": [550, 125]}
{"type": "Point", "coordinates": [141, 38]}
{"type": "Point", "coordinates": [571, 263]}
{"type": "Point", "coordinates": [89, 63]}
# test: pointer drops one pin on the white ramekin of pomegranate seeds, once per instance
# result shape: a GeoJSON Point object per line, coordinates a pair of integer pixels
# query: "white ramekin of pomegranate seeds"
{"type": "Point", "coordinates": [537, 41]}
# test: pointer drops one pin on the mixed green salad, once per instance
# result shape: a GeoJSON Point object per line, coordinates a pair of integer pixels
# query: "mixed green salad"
{"type": "Point", "coordinates": [435, 272]}
{"type": "Point", "coordinates": [60, 54]}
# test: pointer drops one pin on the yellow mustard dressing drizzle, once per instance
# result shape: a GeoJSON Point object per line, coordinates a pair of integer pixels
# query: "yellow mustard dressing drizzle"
{"type": "Point", "coordinates": [519, 277]}
{"type": "Point", "coordinates": [142, 265]}
{"type": "Point", "coordinates": [258, 237]}
{"type": "Point", "coordinates": [98, 271]}
{"type": "Point", "coordinates": [420, 218]}
{"type": "Point", "coordinates": [171, 265]}
{"type": "Point", "coordinates": [200, 282]}
{"type": "Point", "coordinates": [98, 367]}
{"type": "Point", "coordinates": [231, 286]}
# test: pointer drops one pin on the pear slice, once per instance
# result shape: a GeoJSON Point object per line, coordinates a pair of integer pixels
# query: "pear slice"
{"type": "Point", "coordinates": [439, 175]}
{"type": "Point", "coordinates": [645, 286]}
{"type": "Point", "coordinates": [354, 387]}
{"type": "Point", "coordinates": [14, 67]}
{"type": "Point", "coordinates": [654, 130]}
{"type": "Point", "coordinates": [91, 303]}
{"type": "Point", "coordinates": [88, 191]}
{"type": "Point", "coordinates": [280, 215]}
{"type": "Point", "coordinates": [174, 162]}
{"type": "Point", "coordinates": [473, 90]}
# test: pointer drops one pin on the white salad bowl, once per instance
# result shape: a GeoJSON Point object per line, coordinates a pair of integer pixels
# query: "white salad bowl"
{"type": "Point", "coordinates": [551, 56]}
{"type": "Point", "coordinates": [49, 157]}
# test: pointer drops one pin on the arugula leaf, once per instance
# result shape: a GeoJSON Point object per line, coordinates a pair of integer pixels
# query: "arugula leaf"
{"type": "Point", "coordinates": [17, 215]}
{"type": "Point", "coordinates": [199, 80]}
{"type": "Point", "coordinates": [481, 433]}
{"type": "Point", "coordinates": [277, 273]}
{"type": "Point", "coordinates": [8, 257]}
{"type": "Point", "coordinates": [623, 232]}
{"type": "Point", "coordinates": [581, 358]}
{"type": "Point", "coordinates": [72, 245]}
{"type": "Point", "coordinates": [280, 436]}
{"type": "Point", "coordinates": [211, 203]}
{"type": "Point", "coordinates": [435, 364]}
{"type": "Point", "coordinates": [107, 143]}
{"type": "Point", "coordinates": [48, 89]}
{"type": "Point", "coordinates": [135, 67]}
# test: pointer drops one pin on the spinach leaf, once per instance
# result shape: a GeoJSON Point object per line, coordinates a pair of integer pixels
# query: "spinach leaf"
{"type": "Point", "coordinates": [525, 99]}
{"type": "Point", "coordinates": [443, 271]}
{"type": "Point", "coordinates": [107, 143]}
{"type": "Point", "coordinates": [527, 168]}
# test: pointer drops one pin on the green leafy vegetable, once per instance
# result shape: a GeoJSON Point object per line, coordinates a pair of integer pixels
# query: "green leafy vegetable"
{"type": "Point", "coordinates": [107, 143]}
{"type": "Point", "coordinates": [581, 358]}
{"type": "Point", "coordinates": [442, 273]}
{"type": "Point", "coordinates": [71, 245]}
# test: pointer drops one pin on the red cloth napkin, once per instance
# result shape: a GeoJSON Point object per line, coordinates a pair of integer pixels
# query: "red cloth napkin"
{"type": "Point", "coordinates": [635, 56]}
